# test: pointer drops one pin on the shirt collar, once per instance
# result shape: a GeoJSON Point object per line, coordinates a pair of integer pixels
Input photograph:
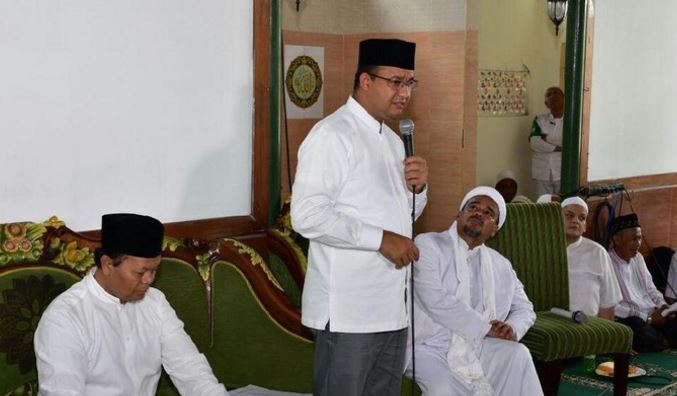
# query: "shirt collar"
{"type": "Point", "coordinates": [619, 259]}
{"type": "Point", "coordinates": [552, 117]}
{"type": "Point", "coordinates": [356, 108]}
{"type": "Point", "coordinates": [98, 291]}
{"type": "Point", "coordinates": [577, 243]}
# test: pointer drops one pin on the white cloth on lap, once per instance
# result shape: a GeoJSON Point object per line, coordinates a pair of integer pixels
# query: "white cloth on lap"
{"type": "Point", "coordinates": [507, 365]}
{"type": "Point", "coordinates": [253, 390]}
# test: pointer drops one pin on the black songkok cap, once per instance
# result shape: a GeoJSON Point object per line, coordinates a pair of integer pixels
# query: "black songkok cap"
{"type": "Point", "coordinates": [131, 234]}
{"type": "Point", "coordinates": [620, 223]}
{"type": "Point", "coordinates": [387, 52]}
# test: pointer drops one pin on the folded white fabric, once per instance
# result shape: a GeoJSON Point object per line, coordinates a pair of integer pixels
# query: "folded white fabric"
{"type": "Point", "coordinates": [253, 390]}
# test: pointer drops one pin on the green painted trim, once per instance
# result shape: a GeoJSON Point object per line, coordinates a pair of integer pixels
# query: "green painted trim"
{"type": "Point", "coordinates": [274, 164]}
{"type": "Point", "coordinates": [577, 15]}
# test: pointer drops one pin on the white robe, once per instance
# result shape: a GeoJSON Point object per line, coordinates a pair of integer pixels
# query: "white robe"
{"type": "Point", "coordinates": [87, 343]}
{"type": "Point", "coordinates": [437, 312]}
{"type": "Point", "coordinates": [592, 282]}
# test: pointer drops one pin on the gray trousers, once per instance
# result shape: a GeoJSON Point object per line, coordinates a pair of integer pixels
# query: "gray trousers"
{"type": "Point", "coordinates": [364, 364]}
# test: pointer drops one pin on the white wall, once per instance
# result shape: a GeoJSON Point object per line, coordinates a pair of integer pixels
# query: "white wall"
{"type": "Point", "coordinates": [129, 105]}
{"type": "Point", "coordinates": [633, 121]}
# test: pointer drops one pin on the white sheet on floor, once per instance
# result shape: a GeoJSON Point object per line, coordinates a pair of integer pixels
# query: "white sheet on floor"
{"type": "Point", "coordinates": [253, 390]}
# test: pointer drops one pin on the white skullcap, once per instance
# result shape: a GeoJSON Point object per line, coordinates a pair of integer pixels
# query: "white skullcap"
{"type": "Point", "coordinates": [575, 201]}
{"type": "Point", "coordinates": [520, 199]}
{"type": "Point", "coordinates": [491, 193]}
{"type": "Point", "coordinates": [506, 174]}
{"type": "Point", "coordinates": [545, 198]}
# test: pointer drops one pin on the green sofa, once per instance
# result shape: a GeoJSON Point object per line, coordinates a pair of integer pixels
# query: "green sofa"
{"type": "Point", "coordinates": [233, 305]}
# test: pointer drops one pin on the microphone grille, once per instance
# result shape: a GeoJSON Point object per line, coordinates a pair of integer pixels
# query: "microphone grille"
{"type": "Point", "coordinates": [406, 127]}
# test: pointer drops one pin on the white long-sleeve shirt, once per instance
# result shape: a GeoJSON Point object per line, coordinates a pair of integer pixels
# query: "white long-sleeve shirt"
{"type": "Point", "coordinates": [546, 163]}
{"type": "Point", "coordinates": [349, 188]}
{"type": "Point", "coordinates": [592, 282]}
{"type": "Point", "coordinates": [437, 311]}
{"type": "Point", "coordinates": [643, 297]}
{"type": "Point", "coordinates": [88, 343]}
{"type": "Point", "coordinates": [672, 278]}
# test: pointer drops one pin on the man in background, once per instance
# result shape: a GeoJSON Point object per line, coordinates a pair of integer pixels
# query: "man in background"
{"type": "Point", "coordinates": [506, 185]}
{"type": "Point", "coordinates": [545, 141]}
{"type": "Point", "coordinates": [352, 198]}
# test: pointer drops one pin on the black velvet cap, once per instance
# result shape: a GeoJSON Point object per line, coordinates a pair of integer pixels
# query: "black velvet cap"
{"type": "Point", "coordinates": [131, 234]}
{"type": "Point", "coordinates": [621, 223]}
{"type": "Point", "coordinates": [387, 52]}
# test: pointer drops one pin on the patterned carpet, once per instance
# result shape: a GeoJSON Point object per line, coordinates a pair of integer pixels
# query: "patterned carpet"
{"type": "Point", "coordinates": [660, 380]}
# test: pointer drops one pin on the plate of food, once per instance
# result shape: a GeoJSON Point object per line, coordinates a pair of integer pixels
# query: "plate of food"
{"type": "Point", "coordinates": [606, 369]}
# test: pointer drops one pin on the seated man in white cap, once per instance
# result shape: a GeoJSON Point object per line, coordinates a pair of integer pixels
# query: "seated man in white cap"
{"type": "Point", "coordinates": [111, 333]}
{"type": "Point", "coordinates": [593, 287]}
{"type": "Point", "coordinates": [470, 309]}
{"type": "Point", "coordinates": [547, 198]}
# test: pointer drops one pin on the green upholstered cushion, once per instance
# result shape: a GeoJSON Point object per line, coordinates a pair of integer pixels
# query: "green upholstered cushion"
{"type": "Point", "coordinates": [285, 279]}
{"type": "Point", "coordinates": [554, 337]}
{"type": "Point", "coordinates": [263, 353]}
{"type": "Point", "coordinates": [166, 387]}
{"type": "Point", "coordinates": [24, 295]}
{"type": "Point", "coordinates": [186, 293]}
{"type": "Point", "coordinates": [533, 239]}
{"type": "Point", "coordinates": [406, 388]}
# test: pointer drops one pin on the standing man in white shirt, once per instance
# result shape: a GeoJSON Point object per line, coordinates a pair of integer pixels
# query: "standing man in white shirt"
{"type": "Point", "coordinates": [642, 303]}
{"type": "Point", "coordinates": [593, 287]}
{"type": "Point", "coordinates": [352, 198]}
{"type": "Point", "coordinates": [470, 309]}
{"type": "Point", "coordinates": [545, 141]}
{"type": "Point", "coordinates": [111, 333]}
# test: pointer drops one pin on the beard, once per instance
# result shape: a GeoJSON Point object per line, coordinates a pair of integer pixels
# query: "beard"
{"type": "Point", "coordinates": [472, 233]}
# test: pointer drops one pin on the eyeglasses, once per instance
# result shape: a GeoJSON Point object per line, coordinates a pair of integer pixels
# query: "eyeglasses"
{"type": "Point", "coordinates": [397, 83]}
{"type": "Point", "coordinates": [484, 211]}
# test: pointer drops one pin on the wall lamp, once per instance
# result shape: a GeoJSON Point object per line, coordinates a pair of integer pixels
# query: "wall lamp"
{"type": "Point", "coordinates": [557, 10]}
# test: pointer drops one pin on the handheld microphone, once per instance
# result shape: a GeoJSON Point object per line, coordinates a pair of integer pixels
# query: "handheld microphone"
{"type": "Point", "coordinates": [576, 316]}
{"type": "Point", "coordinates": [407, 135]}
